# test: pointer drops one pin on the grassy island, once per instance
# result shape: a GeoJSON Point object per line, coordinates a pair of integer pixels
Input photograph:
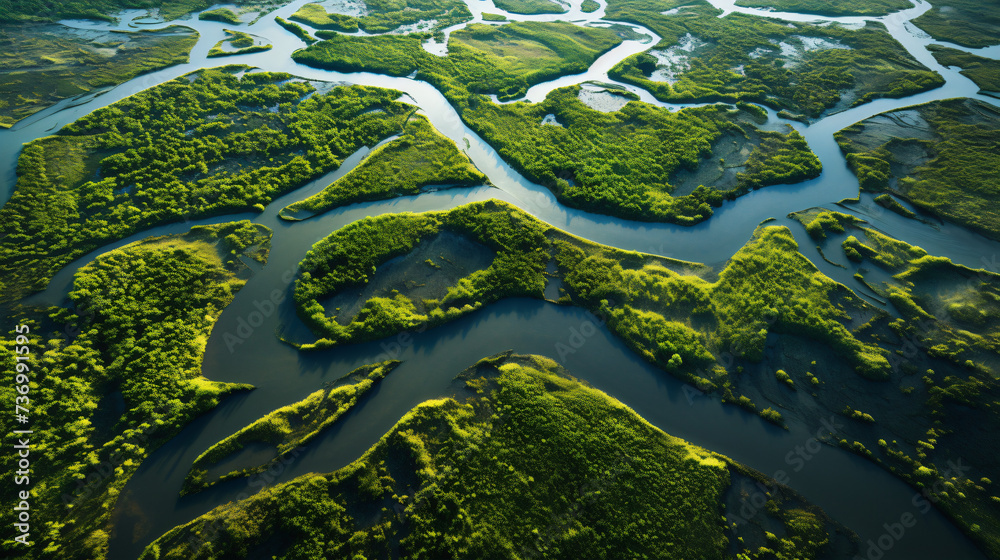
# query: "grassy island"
{"type": "Point", "coordinates": [288, 427]}
{"type": "Point", "coordinates": [831, 8]}
{"type": "Point", "coordinates": [530, 6]}
{"type": "Point", "coordinates": [527, 462]}
{"type": "Point", "coordinates": [803, 68]}
{"type": "Point", "coordinates": [985, 72]}
{"type": "Point", "coordinates": [383, 16]}
{"type": "Point", "coordinates": [209, 143]}
{"type": "Point", "coordinates": [631, 160]}
{"type": "Point", "coordinates": [487, 59]}
{"type": "Point", "coordinates": [945, 339]}
{"type": "Point", "coordinates": [106, 10]}
{"type": "Point", "coordinates": [679, 320]}
{"type": "Point", "coordinates": [45, 63]}
{"type": "Point", "coordinates": [121, 373]}
{"type": "Point", "coordinates": [420, 157]}
{"type": "Point", "coordinates": [942, 157]}
{"type": "Point", "coordinates": [225, 15]}
{"type": "Point", "coordinates": [240, 42]}
{"type": "Point", "coordinates": [969, 23]}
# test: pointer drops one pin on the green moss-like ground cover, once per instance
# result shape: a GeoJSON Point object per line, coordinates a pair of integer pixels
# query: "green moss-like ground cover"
{"type": "Point", "coordinates": [296, 29]}
{"type": "Point", "coordinates": [288, 427]}
{"type": "Point", "coordinates": [831, 8]}
{"type": "Point", "coordinates": [620, 163]}
{"type": "Point", "coordinates": [941, 157]}
{"type": "Point", "coordinates": [946, 341]}
{"type": "Point", "coordinates": [137, 328]}
{"type": "Point", "coordinates": [386, 15]}
{"type": "Point", "coordinates": [242, 43]}
{"type": "Point", "coordinates": [420, 157]}
{"type": "Point", "coordinates": [225, 15]}
{"type": "Point", "coordinates": [184, 149]}
{"type": "Point", "coordinates": [504, 60]}
{"type": "Point", "coordinates": [615, 163]}
{"type": "Point", "coordinates": [44, 64]}
{"type": "Point", "coordinates": [984, 71]}
{"type": "Point", "coordinates": [739, 57]}
{"type": "Point", "coordinates": [534, 464]}
{"type": "Point", "coordinates": [681, 322]}
{"type": "Point", "coordinates": [42, 10]}
{"type": "Point", "coordinates": [530, 6]}
{"type": "Point", "coordinates": [969, 23]}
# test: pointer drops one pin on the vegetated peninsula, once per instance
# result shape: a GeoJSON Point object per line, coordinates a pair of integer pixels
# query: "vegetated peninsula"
{"type": "Point", "coordinates": [801, 68]}
{"type": "Point", "coordinates": [768, 332]}
{"type": "Point", "coordinates": [237, 42]}
{"type": "Point", "coordinates": [119, 373]}
{"type": "Point", "coordinates": [985, 72]}
{"type": "Point", "coordinates": [215, 141]}
{"type": "Point", "coordinates": [47, 63]}
{"type": "Point", "coordinates": [941, 156]}
{"type": "Point", "coordinates": [383, 16]}
{"type": "Point", "coordinates": [831, 7]}
{"type": "Point", "coordinates": [286, 428]}
{"type": "Point", "coordinates": [482, 59]}
{"type": "Point", "coordinates": [523, 462]}
{"type": "Point", "coordinates": [419, 158]}
{"type": "Point", "coordinates": [106, 10]}
{"type": "Point", "coordinates": [943, 331]}
{"type": "Point", "coordinates": [969, 23]}
{"type": "Point", "coordinates": [530, 6]}
{"type": "Point", "coordinates": [596, 149]}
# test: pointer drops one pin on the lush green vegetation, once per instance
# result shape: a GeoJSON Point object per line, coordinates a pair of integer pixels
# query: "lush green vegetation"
{"type": "Point", "coordinates": [886, 200]}
{"type": "Point", "coordinates": [619, 163]}
{"type": "Point", "coordinates": [615, 163]}
{"type": "Point", "coordinates": [739, 57]}
{"type": "Point", "coordinates": [135, 333]}
{"type": "Point", "coordinates": [225, 15]}
{"type": "Point", "coordinates": [296, 29]}
{"type": "Point", "coordinates": [589, 6]}
{"type": "Point", "coordinates": [984, 71]}
{"type": "Point", "coordinates": [288, 427]}
{"type": "Point", "coordinates": [534, 464]}
{"type": "Point", "coordinates": [487, 16]}
{"type": "Point", "coordinates": [530, 6]}
{"type": "Point", "coordinates": [969, 23]}
{"type": "Point", "coordinates": [43, 10]}
{"type": "Point", "coordinates": [348, 256]}
{"type": "Point", "coordinates": [187, 148]}
{"type": "Point", "coordinates": [418, 158]}
{"type": "Point", "coordinates": [387, 15]}
{"type": "Point", "coordinates": [831, 7]}
{"type": "Point", "coordinates": [243, 43]}
{"type": "Point", "coordinates": [946, 165]}
{"type": "Point", "coordinates": [504, 59]}
{"type": "Point", "coordinates": [681, 322]}
{"type": "Point", "coordinates": [945, 331]}
{"type": "Point", "coordinates": [43, 64]}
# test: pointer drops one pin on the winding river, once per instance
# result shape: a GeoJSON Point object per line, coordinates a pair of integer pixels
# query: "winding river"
{"type": "Point", "coordinates": [852, 490]}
